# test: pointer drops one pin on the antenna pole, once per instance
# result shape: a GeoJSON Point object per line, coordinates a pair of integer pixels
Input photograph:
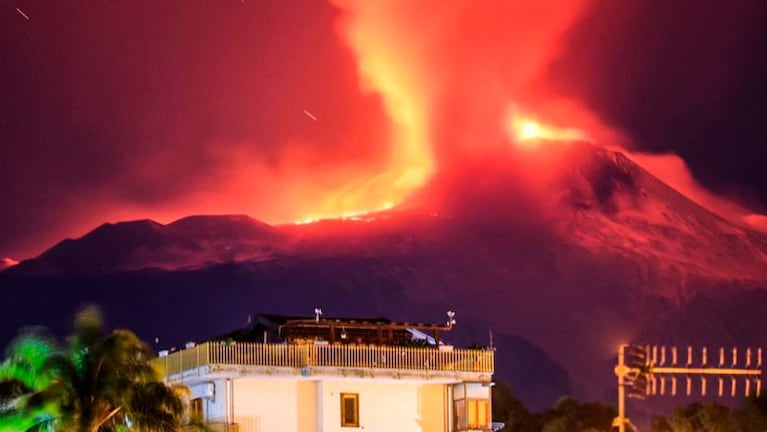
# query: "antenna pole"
{"type": "Point", "coordinates": [621, 370]}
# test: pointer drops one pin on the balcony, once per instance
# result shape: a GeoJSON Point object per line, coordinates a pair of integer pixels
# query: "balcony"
{"type": "Point", "coordinates": [298, 357]}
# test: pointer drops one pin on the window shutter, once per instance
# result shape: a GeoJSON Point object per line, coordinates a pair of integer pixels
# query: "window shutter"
{"type": "Point", "coordinates": [350, 410]}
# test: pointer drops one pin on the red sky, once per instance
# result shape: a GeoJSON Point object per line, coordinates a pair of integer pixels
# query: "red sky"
{"type": "Point", "coordinates": [116, 111]}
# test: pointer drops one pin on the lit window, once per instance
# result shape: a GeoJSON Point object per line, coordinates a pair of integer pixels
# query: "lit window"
{"type": "Point", "coordinates": [478, 413]}
{"type": "Point", "coordinates": [472, 414]}
{"type": "Point", "coordinates": [350, 410]}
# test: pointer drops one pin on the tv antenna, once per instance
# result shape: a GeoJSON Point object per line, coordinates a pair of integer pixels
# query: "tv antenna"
{"type": "Point", "coordinates": [450, 319]}
{"type": "Point", "coordinates": [645, 370]}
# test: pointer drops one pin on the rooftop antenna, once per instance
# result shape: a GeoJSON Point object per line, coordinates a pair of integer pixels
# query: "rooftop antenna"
{"type": "Point", "coordinates": [317, 314]}
{"type": "Point", "coordinates": [450, 319]}
{"type": "Point", "coordinates": [490, 333]}
{"type": "Point", "coordinates": [641, 368]}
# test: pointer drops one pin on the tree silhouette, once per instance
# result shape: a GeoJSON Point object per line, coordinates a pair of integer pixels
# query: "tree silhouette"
{"type": "Point", "coordinates": [752, 414]}
{"type": "Point", "coordinates": [95, 382]}
{"type": "Point", "coordinates": [567, 414]}
{"type": "Point", "coordinates": [511, 411]}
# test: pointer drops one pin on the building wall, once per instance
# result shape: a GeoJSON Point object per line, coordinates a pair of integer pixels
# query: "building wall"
{"type": "Point", "coordinates": [293, 405]}
{"type": "Point", "coordinates": [306, 406]}
{"type": "Point", "coordinates": [384, 406]}
{"type": "Point", "coordinates": [266, 405]}
{"type": "Point", "coordinates": [433, 404]}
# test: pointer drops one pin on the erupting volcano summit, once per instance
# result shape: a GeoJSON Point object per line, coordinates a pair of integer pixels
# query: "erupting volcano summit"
{"type": "Point", "coordinates": [563, 178]}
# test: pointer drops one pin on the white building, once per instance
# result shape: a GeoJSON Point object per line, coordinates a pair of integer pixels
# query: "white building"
{"type": "Point", "coordinates": [328, 375]}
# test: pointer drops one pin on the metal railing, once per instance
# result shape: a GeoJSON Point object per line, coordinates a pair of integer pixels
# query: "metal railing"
{"type": "Point", "coordinates": [351, 356]}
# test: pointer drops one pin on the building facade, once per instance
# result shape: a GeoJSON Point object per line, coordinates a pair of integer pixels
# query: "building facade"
{"type": "Point", "coordinates": [299, 374]}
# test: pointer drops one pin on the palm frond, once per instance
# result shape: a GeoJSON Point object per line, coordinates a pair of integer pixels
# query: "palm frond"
{"type": "Point", "coordinates": [97, 381]}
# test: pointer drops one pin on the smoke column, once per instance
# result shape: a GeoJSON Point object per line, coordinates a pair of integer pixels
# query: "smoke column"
{"type": "Point", "coordinates": [450, 71]}
{"type": "Point", "coordinates": [455, 75]}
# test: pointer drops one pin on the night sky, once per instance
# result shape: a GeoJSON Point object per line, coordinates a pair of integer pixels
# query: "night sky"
{"type": "Point", "coordinates": [142, 109]}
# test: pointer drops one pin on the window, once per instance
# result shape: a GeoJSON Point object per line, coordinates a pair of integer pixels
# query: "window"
{"type": "Point", "coordinates": [479, 413]}
{"type": "Point", "coordinates": [472, 414]}
{"type": "Point", "coordinates": [350, 410]}
{"type": "Point", "coordinates": [195, 410]}
{"type": "Point", "coordinates": [471, 407]}
{"type": "Point", "coordinates": [460, 415]}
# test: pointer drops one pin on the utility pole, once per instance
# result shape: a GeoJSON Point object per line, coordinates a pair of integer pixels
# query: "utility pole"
{"type": "Point", "coordinates": [644, 370]}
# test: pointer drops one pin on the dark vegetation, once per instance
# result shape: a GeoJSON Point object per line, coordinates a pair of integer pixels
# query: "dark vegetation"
{"type": "Point", "coordinates": [570, 415]}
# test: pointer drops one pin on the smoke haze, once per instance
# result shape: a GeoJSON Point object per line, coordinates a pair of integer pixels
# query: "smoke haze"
{"type": "Point", "coordinates": [299, 110]}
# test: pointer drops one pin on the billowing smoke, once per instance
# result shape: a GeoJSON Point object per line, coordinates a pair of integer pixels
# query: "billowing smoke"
{"type": "Point", "coordinates": [113, 112]}
{"type": "Point", "coordinates": [263, 115]}
{"type": "Point", "coordinates": [463, 81]}
{"type": "Point", "coordinates": [450, 71]}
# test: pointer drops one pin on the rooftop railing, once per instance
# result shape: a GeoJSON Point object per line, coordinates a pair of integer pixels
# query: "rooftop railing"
{"type": "Point", "coordinates": [336, 356]}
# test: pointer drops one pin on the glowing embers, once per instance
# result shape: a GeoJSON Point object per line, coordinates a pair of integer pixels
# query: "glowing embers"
{"type": "Point", "coordinates": [358, 216]}
{"type": "Point", "coordinates": [527, 132]}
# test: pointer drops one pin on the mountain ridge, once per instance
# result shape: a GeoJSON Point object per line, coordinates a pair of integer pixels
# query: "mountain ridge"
{"type": "Point", "coordinates": [563, 256]}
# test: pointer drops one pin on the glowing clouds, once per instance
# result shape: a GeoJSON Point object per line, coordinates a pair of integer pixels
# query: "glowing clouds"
{"type": "Point", "coordinates": [7, 262]}
{"type": "Point", "coordinates": [446, 72]}
{"type": "Point", "coordinates": [459, 82]}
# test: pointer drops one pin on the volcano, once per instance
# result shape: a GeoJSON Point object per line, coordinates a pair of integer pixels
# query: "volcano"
{"type": "Point", "coordinates": [553, 257]}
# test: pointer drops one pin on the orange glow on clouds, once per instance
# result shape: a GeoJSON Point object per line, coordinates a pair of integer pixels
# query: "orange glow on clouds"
{"type": "Point", "coordinates": [451, 77]}
{"type": "Point", "coordinates": [445, 98]}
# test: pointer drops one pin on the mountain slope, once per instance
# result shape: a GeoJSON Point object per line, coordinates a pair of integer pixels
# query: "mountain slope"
{"type": "Point", "coordinates": [187, 243]}
{"type": "Point", "coordinates": [647, 219]}
{"type": "Point", "coordinates": [562, 255]}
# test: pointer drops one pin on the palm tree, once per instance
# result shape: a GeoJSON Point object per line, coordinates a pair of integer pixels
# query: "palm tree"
{"type": "Point", "coordinates": [96, 382]}
{"type": "Point", "coordinates": [26, 400]}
